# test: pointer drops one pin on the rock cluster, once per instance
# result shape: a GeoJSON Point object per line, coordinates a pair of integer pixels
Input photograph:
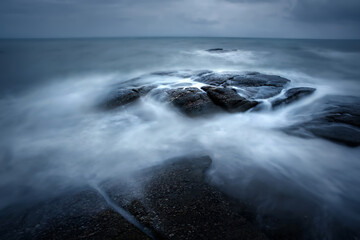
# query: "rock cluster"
{"type": "Point", "coordinates": [232, 92]}
{"type": "Point", "coordinates": [334, 118]}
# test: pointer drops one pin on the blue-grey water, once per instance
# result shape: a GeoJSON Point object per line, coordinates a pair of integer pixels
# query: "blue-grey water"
{"type": "Point", "coordinates": [53, 138]}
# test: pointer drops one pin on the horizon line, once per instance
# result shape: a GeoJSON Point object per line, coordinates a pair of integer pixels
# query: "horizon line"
{"type": "Point", "coordinates": [120, 37]}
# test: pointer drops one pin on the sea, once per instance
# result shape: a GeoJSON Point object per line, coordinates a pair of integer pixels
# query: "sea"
{"type": "Point", "coordinates": [53, 137]}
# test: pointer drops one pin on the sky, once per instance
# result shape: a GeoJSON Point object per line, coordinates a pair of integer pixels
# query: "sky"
{"type": "Point", "coordinates": [203, 18]}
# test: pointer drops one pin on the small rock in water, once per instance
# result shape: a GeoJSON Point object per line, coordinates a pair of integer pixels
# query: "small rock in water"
{"type": "Point", "coordinates": [215, 49]}
{"type": "Point", "coordinates": [220, 50]}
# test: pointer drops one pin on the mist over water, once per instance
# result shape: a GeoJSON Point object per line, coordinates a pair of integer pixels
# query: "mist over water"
{"type": "Point", "coordinates": [53, 137]}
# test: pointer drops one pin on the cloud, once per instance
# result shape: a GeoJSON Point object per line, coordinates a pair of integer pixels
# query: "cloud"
{"type": "Point", "coordinates": [327, 10]}
{"type": "Point", "coordinates": [252, 1]}
{"type": "Point", "coordinates": [244, 18]}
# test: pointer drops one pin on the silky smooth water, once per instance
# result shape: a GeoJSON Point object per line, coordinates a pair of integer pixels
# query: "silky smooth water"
{"type": "Point", "coordinates": [54, 138]}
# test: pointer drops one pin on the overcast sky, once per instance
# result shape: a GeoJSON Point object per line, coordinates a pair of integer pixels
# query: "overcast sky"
{"type": "Point", "coordinates": [228, 18]}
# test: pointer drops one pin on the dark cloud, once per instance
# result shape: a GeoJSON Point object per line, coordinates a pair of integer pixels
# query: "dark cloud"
{"type": "Point", "coordinates": [252, 1]}
{"type": "Point", "coordinates": [244, 18]}
{"type": "Point", "coordinates": [334, 11]}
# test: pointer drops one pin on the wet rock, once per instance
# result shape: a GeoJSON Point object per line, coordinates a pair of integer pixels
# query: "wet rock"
{"type": "Point", "coordinates": [178, 203]}
{"type": "Point", "coordinates": [120, 97]}
{"type": "Point", "coordinates": [80, 215]}
{"type": "Point", "coordinates": [191, 101]}
{"type": "Point", "coordinates": [180, 74]}
{"type": "Point", "coordinates": [144, 90]}
{"type": "Point", "coordinates": [252, 84]}
{"type": "Point", "coordinates": [195, 102]}
{"type": "Point", "coordinates": [220, 50]}
{"type": "Point", "coordinates": [215, 49]}
{"type": "Point", "coordinates": [229, 99]}
{"type": "Point", "coordinates": [293, 95]}
{"type": "Point", "coordinates": [336, 118]}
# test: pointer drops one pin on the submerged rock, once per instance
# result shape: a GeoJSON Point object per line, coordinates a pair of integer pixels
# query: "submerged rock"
{"type": "Point", "coordinates": [178, 203]}
{"type": "Point", "coordinates": [336, 118]}
{"type": "Point", "coordinates": [229, 99]}
{"type": "Point", "coordinates": [293, 95]}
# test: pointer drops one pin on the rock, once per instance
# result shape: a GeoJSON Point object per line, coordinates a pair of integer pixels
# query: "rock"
{"type": "Point", "coordinates": [121, 97]}
{"type": "Point", "coordinates": [195, 102]}
{"type": "Point", "coordinates": [252, 84]}
{"type": "Point", "coordinates": [215, 49]}
{"type": "Point", "coordinates": [229, 99]}
{"type": "Point", "coordinates": [332, 117]}
{"type": "Point", "coordinates": [340, 109]}
{"type": "Point", "coordinates": [336, 132]}
{"type": "Point", "coordinates": [191, 101]}
{"type": "Point", "coordinates": [220, 50]}
{"type": "Point", "coordinates": [179, 204]}
{"type": "Point", "coordinates": [80, 215]}
{"type": "Point", "coordinates": [293, 95]}
{"type": "Point", "coordinates": [144, 90]}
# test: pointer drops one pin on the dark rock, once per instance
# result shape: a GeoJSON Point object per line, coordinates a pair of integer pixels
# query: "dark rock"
{"type": "Point", "coordinates": [215, 49]}
{"type": "Point", "coordinates": [120, 97]}
{"type": "Point", "coordinates": [194, 102]}
{"type": "Point", "coordinates": [179, 204]}
{"type": "Point", "coordinates": [180, 74]}
{"type": "Point", "coordinates": [215, 79]}
{"type": "Point", "coordinates": [253, 84]}
{"type": "Point", "coordinates": [336, 132]}
{"type": "Point", "coordinates": [79, 215]}
{"type": "Point", "coordinates": [191, 101]}
{"type": "Point", "coordinates": [333, 117]}
{"type": "Point", "coordinates": [229, 99]}
{"type": "Point", "coordinates": [220, 50]}
{"type": "Point", "coordinates": [144, 90]}
{"type": "Point", "coordinates": [293, 95]}
{"type": "Point", "coordinates": [164, 73]}
{"type": "Point", "coordinates": [255, 79]}
{"type": "Point", "coordinates": [263, 92]}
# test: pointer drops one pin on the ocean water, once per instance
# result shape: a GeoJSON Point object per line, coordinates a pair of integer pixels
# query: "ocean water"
{"type": "Point", "coordinates": [54, 138]}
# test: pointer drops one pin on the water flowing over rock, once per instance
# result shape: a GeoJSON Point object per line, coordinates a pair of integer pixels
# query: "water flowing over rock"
{"type": "Point", "coordinates": [179, 204]}
{"type": "Point", "coordinates": [234, 91]}
{"type": "Point", "coordinates": [292, 95]}
{"type": "Point", "coordinates": [335, 118]}
{"type": "Point", "coordinates": [332, 117]}
{"type": "Point", "coordinates": [252, 84]}
{"type": "Point", "coordinates": [176, 202]}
